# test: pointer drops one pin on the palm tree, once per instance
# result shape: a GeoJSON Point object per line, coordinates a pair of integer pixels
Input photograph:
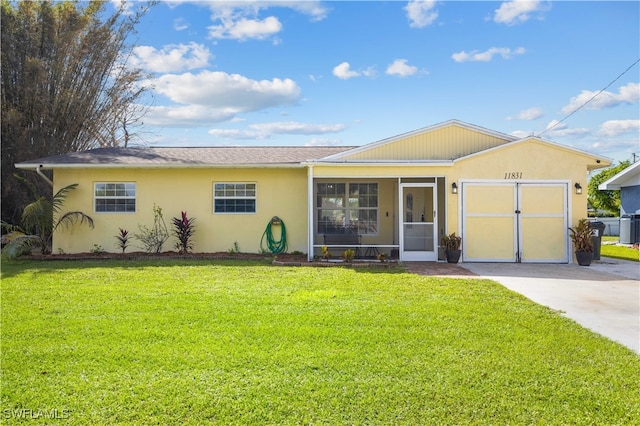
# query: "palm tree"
{"type": "Point", "coordinates": [40, 220]}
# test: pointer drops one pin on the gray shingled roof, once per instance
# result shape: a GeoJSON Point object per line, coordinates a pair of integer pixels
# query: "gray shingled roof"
{"type": "Point", "coordinates": [188, 157]}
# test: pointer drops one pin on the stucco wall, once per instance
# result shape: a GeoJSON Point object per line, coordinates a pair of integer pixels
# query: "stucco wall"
{"type": "Point", "coordinates": [281, 193]}
{"type": "Point", "coordinates": [532, 161]}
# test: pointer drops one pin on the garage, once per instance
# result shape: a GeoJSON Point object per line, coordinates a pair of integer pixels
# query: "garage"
{"type": "Point", "coordinates": [515, 221]}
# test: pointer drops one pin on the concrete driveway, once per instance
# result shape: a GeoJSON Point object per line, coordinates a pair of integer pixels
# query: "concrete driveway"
{"type": "Point", "coordinates": [603, 297]}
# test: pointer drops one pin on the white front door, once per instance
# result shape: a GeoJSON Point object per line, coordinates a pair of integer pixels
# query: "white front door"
{"type": "Point", "coordinates": [418, 222]}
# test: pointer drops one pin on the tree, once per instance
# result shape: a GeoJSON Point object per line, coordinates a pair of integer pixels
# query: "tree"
{"type": "Point", "coordinates": [608, 200]}
{"type": "Point", "coordinates": [65, 83]}
{"type": "Point", "coordinates": [40, 220]}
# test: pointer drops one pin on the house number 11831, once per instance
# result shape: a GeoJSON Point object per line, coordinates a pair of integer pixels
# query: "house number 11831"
{"type": "Point", "coordinates": [513, 175]}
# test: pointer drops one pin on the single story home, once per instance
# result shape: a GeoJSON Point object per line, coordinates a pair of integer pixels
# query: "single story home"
{"type": "Point", "coordinates": [511, 199]}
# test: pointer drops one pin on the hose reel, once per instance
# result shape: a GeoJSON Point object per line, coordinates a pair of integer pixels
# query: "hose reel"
{"type": "Point", "coordinates": [275, 247]}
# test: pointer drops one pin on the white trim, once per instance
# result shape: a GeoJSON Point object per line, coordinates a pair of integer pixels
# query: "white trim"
{"type": "Point", "coordinates": [310, 213]}
{"type": "Point", "coordinates": [52, 166]}
{"type": "Point", "coordinates": [517, 188]}
{"type": "Point", "coordinates": [620, 178]}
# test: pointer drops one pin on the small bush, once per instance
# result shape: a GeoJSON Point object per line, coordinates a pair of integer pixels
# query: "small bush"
{"type": "Point", "coordinates": [183, 229]}
{"type": "Point", "coordinates": [154, 238]}
{"type": "Point", "coordinates": [123, 239]}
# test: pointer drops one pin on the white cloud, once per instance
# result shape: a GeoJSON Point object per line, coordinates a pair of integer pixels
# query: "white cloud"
{"type": "Point", "coordinates": [344, 72]}
{"type": "Point", "coordinates": [516, 12]}
{"type": "Point", "coordinates": [179, 24]}
{"type": "Point", "coordinates": [295, 128]}
{"type": "Point", "coordinates": [421, 13]}
{"type": "Point", "coordinates": [528, 114]}
{"type": "Point", "coordinates": [628, 94]}
{"type": "Point", "coordinates": [209, 97]}
{"type": "Point", "coordinates": [189, 115]}
{"type": "Point", "coordinates": [267, 130]}
{"type": "Point", "coordinates": [487, 55]}
{"type": "Point", "coordinates": [400, 68]}
{"type": "Point", "coordinates": [239, 20]}
{"type": "Point", "coordinates": [171, 58]}
{"type": "Point", "coordinates": [323, 142]}
{"type": "Point", "coordinates": [555, 130]}
{"type": "Point", "coordinates": [618, 127]}
{"type": "Point", "coordinates": [245, 29]}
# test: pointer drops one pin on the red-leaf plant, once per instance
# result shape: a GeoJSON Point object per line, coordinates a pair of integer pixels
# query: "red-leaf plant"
{"type": "Point", "coordinates": [184, 229]}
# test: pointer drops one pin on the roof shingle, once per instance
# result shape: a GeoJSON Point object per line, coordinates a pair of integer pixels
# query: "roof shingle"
{"type": "Point", "coordinates": [188, 157]}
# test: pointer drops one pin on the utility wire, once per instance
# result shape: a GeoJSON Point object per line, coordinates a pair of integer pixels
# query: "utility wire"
{"type": "Point", "coordinates": [592, 98]}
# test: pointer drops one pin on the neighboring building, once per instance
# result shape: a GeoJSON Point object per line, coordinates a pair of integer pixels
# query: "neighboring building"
{"type": "Point", "coordinates": [510, 199]}
{"type": "Point", "coordinates": [627, 181]}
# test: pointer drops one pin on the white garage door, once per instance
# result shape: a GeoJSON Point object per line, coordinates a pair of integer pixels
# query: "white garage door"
{"type": "Point", "coordinates": [514, 222]}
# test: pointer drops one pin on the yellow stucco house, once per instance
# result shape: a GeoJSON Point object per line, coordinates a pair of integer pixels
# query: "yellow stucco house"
{"type": "Point", "coordinates": [511, 199]}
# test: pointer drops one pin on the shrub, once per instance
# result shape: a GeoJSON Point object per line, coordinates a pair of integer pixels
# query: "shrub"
{"type": "Point", "coordinates": [123, 239]}
{"type": "Point", "coordinates": [183, 229]}
{"type": "Point", "coordinates": [348, 255]}
{"type": "Point", "coordinates": [154, 238]}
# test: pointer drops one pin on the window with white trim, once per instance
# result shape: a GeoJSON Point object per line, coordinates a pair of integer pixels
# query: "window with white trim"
{"type": "Point", "coordinates": [343, 207]}
{"type": "Point", "coordinates": [114, 197]}
{"type": "Point", "coordinates": [234, 197]}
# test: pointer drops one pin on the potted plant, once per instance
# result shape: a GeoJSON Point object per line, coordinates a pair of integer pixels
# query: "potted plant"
{"type": "Point", "coordinates": [582, 242]}
{"type": "Point", "coordinates": [451, 244]}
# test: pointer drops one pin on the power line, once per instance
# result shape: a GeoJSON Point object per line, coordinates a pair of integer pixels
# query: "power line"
{"type": "Point", "coordinates": [592, 98]}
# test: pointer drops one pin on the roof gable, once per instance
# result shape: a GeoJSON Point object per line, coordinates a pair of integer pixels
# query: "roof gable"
{"type": "Point", "coordinates": [445, 141]}
{"type": "Point", "coordinates": [629, 176]}
{"type": "Point", "coordinates": [592, 161]}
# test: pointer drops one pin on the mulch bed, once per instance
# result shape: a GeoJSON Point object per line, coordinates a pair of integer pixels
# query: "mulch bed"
{"type": "Point", "coordinates": [278, 260]}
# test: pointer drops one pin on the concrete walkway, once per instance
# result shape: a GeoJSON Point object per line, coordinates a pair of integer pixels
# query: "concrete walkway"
{"type": "Point", "coordinates": [603, 297]}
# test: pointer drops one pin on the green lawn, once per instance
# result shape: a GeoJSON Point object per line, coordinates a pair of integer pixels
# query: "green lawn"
{"type": "Point", "coordinates": [198, 342]}
{"type": "Point", "coordinates": [619, 252]}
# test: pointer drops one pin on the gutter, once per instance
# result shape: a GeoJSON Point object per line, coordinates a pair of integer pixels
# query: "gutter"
{"type": "Point", "coordinates": [43, 176]}
{"type": "Point", "coordinates": [29, 166]}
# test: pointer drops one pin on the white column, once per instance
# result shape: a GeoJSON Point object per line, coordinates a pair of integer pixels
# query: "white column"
{"type": "Point", "coordinates": [310, 232]}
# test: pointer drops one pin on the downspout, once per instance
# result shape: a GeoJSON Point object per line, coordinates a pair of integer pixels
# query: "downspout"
{"type": "Point", "coordinates": [43, 176]}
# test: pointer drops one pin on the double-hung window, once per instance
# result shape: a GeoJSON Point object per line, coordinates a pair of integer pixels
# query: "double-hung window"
{"type": "Point", "coordinates": [114, 197]}
{"type": "Point", "coordinates": [347, 207]}
{"type": "Point", "coordinates": [234, 197]}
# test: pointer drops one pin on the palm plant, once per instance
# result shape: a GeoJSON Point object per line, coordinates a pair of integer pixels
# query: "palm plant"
{"type": "Point", "coordinates": [40, 219]}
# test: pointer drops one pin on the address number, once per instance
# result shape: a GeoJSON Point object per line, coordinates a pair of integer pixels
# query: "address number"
{"type": "Point", "coordinates": [513, 175]}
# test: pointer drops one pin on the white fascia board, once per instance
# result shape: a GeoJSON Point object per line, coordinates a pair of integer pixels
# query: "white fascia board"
{"type": "Point", "coordinates": [31, 166]}
{"type": "Point", "coordinates": [381, 163]}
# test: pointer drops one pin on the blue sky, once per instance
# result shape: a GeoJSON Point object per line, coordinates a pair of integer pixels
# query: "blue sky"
{"type": "Point", "coordinates": [280, 73]}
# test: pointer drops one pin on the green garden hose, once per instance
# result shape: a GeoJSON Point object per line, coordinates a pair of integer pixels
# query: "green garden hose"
{"type": "Point", "coordinates": [275, 247]}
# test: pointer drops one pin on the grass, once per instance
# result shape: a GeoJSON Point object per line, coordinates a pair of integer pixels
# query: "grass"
{"type": "Point", "coordinates": [196, 342]}
{"type": "Point", "coordinates": [618, 251]}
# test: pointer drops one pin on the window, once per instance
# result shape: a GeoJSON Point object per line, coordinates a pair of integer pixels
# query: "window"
{"type": "Point", "coordinates": [115, 197]}
{"type": "Point", "coordinates": [234, 198]}
{"type": "Point", "coordinates": [347, 207]}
